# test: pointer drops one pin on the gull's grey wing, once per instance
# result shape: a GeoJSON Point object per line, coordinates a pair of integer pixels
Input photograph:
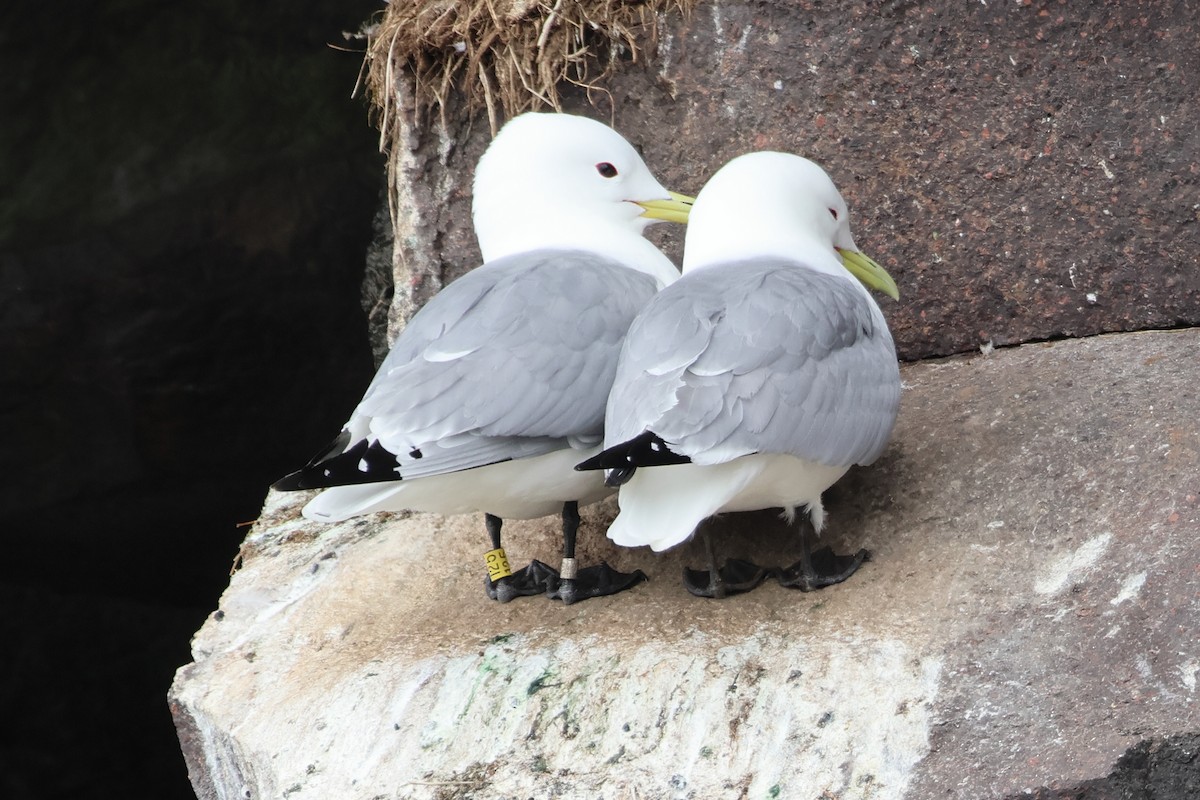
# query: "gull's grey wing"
{"type": "Point", "coordinates": [514, 359]}
{"type": "Point", "coordinates": [763, 356]}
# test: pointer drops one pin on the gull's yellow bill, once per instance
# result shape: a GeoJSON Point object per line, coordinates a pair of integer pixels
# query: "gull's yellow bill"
{"type": "Point", "coordinates": [674, 210]}
{"type": "Point", "coordinates": [869, 272]}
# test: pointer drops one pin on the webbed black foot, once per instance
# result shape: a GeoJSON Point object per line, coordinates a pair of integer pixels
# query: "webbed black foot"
{"type": "Point", "coordinates": [596, 581]}
{"type": "Point", "coordinates": [736, 577]}
{"type": "Point", "coordinates": [822, 568]}
{"type": "Point", "coordinates": [537, 578]}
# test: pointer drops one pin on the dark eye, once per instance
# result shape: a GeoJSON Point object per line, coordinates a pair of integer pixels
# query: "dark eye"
{"type": "Point", "coordinates": [833, 211]}
{"type": "Point", "coordinates": [606, 169]}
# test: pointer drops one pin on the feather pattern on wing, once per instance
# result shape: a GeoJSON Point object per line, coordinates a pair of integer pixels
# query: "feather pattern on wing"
{"type": "Point", "coordinates": [507, 362]}
{"type": "Point", "coordinates": [762, 356]}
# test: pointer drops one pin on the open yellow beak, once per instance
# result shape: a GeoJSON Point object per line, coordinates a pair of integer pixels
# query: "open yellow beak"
{"type": "Point", "coordinates": [674, 210]}
{"type": "Point", "coordinates": [870, 273]}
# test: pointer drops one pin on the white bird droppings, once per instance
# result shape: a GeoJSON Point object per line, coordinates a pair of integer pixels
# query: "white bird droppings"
{"type": "Point", "coordinates": [1063, 570]}
{"type": "Point", "coordinates": [1188, 670]}
{"type": "Point", "coordinates": [770, 713]}
{"type": "Point", "coordinates": [1130, 589]}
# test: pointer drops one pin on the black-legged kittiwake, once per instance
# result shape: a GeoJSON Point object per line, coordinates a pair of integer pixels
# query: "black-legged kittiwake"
{"type": "Point", "coordinates": [758, 378]}
{"type": "Point", "coordinates": [497, 387]}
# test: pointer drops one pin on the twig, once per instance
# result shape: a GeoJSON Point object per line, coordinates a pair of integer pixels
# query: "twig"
{"type": "Point", "coordinates": [541, 42]}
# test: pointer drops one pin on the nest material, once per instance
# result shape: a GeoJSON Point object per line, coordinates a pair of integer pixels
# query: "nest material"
{"type": "Point", "coordinates": [508, 56]}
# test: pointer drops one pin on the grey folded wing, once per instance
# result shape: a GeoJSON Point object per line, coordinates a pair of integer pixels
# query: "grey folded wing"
{"type": "Point", "coordinates": [511, 360]}
{"type": "Point", "coordinates": [761, 356]}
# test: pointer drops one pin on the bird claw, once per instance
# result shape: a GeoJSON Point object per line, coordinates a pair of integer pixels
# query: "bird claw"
{"type": "Point", "coordinates": [537, 578]}
{"type": "Point", "coordinates": [736, 577]}
{"type": "Point", "coordinates": [595, 581]}
{"type": "Point", "coordinates": [824, 568]}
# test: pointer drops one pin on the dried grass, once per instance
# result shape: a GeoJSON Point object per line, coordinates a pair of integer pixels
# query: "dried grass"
{"type": "Point", "coordinates": [507, 56]}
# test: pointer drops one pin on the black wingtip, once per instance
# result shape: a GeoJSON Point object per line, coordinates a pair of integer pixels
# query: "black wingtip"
{"type": "Point", "coordinates": [291, 482]}
{"type": "Point", "coordinates": [619, 476]}
{"type": "Point", "coordinates": [616, 475]}
{"type": "Point", "coordinates": [340, 465]}
{"type": "Point", "coordinates": [592, 463]}
{"type": "Point", "coordinates": [645, 450]}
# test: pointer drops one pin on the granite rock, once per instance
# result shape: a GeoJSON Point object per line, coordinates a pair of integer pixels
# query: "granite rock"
{"type": "Point", "coordinates": [1027, 171]}
{"type": "Point", "coordinates": [1028, 615]}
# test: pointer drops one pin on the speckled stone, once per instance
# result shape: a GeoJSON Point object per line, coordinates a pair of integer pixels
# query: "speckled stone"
{"type": "Point", "coordinates": [1028, 615]}
{"type": "Point", "coordinates": [1027, 171]}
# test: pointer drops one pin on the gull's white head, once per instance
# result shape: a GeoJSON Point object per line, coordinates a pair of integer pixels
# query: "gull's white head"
{"type": "Point", "coordinates": [556, 180]}
{"type": "Point", "coordinates": [777, 204]}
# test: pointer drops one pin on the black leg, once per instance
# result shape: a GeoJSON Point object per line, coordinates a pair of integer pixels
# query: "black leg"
{"type": "Point", "coordinates": [595, 581]}
{"type": "Point", "coordinates": [499, 577]}
{"type": "Point", "coordinates": [735, 577]}
{"type": "Point", "coordinates": [816, 570]}
{"type": "Point", "coordinates": [502, 583]}
{"type": "Point", "coordinates": [493, 525]}
{"type": "Point", "coordinates": [568, 592]}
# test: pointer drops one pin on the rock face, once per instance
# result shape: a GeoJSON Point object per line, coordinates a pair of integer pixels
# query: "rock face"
{"type": "Point", "coordinates": [1026, 171]}
{"type": "Point", "coordinates": [1156, 768]}
{"type": "Point", "coordinates": [1028, 615]}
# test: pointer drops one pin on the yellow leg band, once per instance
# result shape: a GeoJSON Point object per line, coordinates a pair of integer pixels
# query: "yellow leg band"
{"type": "Point", "coordinates": [497, 564]}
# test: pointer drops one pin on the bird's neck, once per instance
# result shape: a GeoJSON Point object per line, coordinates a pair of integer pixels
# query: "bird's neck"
{"type": "Point", "coordinates": [706, 248]}
{"type": "Point", "coordinates": [618, 242]}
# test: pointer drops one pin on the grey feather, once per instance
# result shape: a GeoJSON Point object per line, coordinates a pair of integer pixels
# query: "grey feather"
{"type": "Point", "coordinates": [760, 356]}
{"type": "Point", "coordinates": [506, 362]}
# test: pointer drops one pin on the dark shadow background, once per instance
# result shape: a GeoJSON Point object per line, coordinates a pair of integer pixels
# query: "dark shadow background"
{"type": "Point", "coordinates": [186, 202]}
